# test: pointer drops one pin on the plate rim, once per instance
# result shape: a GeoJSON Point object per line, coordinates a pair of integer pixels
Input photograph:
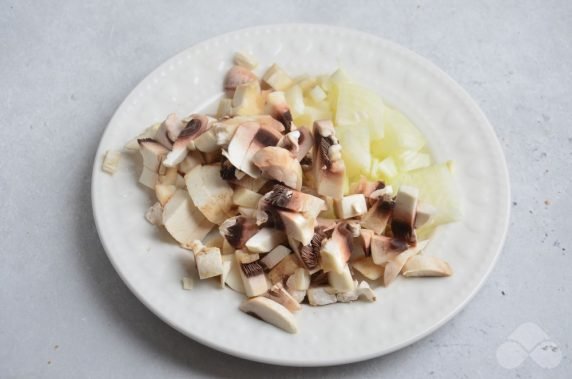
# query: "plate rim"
{"type": "Point", "coordinates": [439, 73]}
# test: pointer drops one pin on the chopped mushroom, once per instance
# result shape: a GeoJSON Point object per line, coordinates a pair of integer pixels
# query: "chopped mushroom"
{"type": "Point", "coordinates": [169, 130]}
{"type": "Point", "coordinates": [232, 277]}
{"type": "Point", "coordinates": [152, 152]}
{"type": "Point", "coordinates": [350, 206]}
{"type": "Point", "coordinates": [336, 251]}
{"type": "Point", "coordinates": [155, 214]}
{"type": "Point", "coordinates": [277, 163]}
{"type": "Point", "coordinates": [394, 265]}
{"type": "Point", "coordinates": [237, 76]}
{"type": "Point", "coordinates": [271, 312]}
{"type": "Point", "coordinates": [265, 240]}
{"type": "Point", "coordinates": [298, 226]}
{"type": "Point", "coordinates": [237, 230]}
{"type": "Point", "coordinates": [299, 280]}
{"type": "Point", "coordinates": [341, 281]}
{"type": "Point", "coordinates": [247, 99]}
{"type": "Point", "coordinates": [403, 220]}
{"type": "Point", "coordinates": [187, 283]}
{"type": "Point", "coordinates": [368, 268]}
{"type": "Point", "coordinates": [280, 295]}
{"type": "Point", "coordinates": [423, 214]}
{"type": "Point", "coordinates": [279, 109]}
{"type": "Point", "coordinates": [296, 201]}
{"type": "Point", "coordinates": [424, 265]}
{"type": "Point", "coordinates": [329, 168]}
{"type": "Point", "coordinates": [183, 220]}
{"type": "Point", "coordinates": [209, 262]}
{"type": "Point", "coordinates": [284, 269]}
{"type": "Point", "coordinates": [274, 257]}
{"type": "Point", "coordinates": [378, 215]}
{"type": "Point", "coordinates": [383, 249]}
{"type": "Point", "coordinates": [245, 60]}
{"type": "Point", "coordinates": [243, 197]}
{"type": "Point", "coordinates": [252, 274]}
{"type": "Point", "coordinates": [111, 161]}
{"type": "Point", "coordinates": [197, 125]}
{"type": "Point", "coordinates": [321, 296]}
{"type": "Point", "coordinates": [210, 193]}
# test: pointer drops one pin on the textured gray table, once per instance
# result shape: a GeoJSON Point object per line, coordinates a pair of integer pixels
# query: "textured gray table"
{"type": "Point", "coordinates": [63, 71]}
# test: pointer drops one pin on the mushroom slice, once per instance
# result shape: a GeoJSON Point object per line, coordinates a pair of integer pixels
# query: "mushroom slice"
{"type": "Point", "coordinates": [252, 274]}
{"type": "Point", "coordinates": [423, 214]}
{"type": "Point", "coordinates": [232, 276]}
{"type": "Point", "coordinates": [243, 197]}
{"type": "Point", "coordinates": [169, 130]}
{"type": "Point", "coordinates": [329, 168]}
{"type": "Point", "coordinates": [270, 260]}
{"type": "Point", "coordinates": [394, 266]}
{"type": "Point", "coordinates": [284, 269]}
{"type": "Point", "coordinates": [403, 218]}
{"type": "Point", "coordinates": [183, 220]}
{"type": "Point", "coordinates": [237, 230]}
{"type": "Point", "coordinates": [278, 107]}
{"type": "Point", "coordinates": [299, 280]}
{"type": "Point", "coordinates": [280, 295]}
{"type": "Point", "coordinates": [298, 226]}
{"type": "Point", "coordinates": [383, 249]}
{"type": "Point", "coordinates": [337, 250]}
{"type": "Point", "coordinates": [155, 214]}
{"type": "Point", "coordinates": [341, 281]}
{"type": "Point", "coordinates": [296, 201]}
{"type": "Point", "coordinates": [152, 152]}
{"type": "Point", "coordinates": [378, 215]}
{"type": "Point", "coordinates": [321, 296]}
{"type": "Point", "coordinates": [424, 265]}
{"type": "Point", "coordinates": [265, 240]}
{"type": "Point", "coordinates": [367, 268]}
{"type": "Point", "coordinates": [237, 76]}
{"type": "Point", "coordinates": [350, 206]}
{"type": "Point", "coordinates": [197, 125]}
{"type": "Point", "coordinates": [271, 312]}
{"type": "Point", "coordinates": [210, 193]}
{"type": "Point", "coordinates": [276, 163]}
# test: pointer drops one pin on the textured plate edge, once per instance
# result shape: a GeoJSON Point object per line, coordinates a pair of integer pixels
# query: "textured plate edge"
{"type": "Point", "coordinates": [440, 74]}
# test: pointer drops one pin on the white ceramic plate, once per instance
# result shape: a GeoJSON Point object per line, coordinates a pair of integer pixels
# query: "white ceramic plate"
{"type": "Point", "coordinates": [152, 265]}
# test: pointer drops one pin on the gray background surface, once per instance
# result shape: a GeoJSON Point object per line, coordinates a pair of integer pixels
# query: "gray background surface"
{"type": "Point", "coordinates": [66, 65]}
